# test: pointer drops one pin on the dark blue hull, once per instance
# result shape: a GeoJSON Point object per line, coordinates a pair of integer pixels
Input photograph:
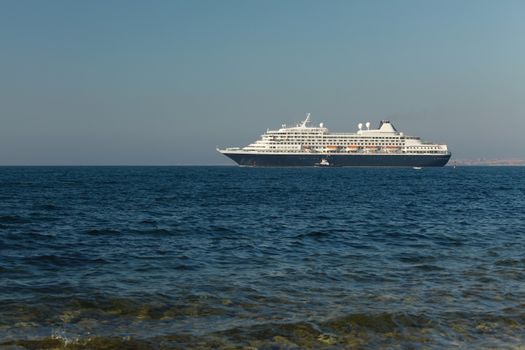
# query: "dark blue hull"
{"type": "Point", "coordinates": [339, 160]}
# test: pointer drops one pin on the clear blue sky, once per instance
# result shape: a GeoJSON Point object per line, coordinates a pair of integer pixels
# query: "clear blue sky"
{"type": "Point", "coordinates": [165, 82]}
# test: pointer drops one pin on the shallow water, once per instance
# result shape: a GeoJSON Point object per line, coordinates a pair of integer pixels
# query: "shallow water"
{"type": "Point", "coordinates": [227, 257]}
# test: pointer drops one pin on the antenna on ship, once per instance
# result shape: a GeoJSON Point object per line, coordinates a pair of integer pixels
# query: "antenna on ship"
{"type": "Point", "coordinates": [307, 120]}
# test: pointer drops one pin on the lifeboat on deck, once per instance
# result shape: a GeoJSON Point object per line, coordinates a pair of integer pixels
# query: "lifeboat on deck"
{"type": "Point", "coordinates": [392, 148]}
{"type": "Point", "coordinates": [371, 148]}
{"type": "Point", "coordinates": [352, 148]}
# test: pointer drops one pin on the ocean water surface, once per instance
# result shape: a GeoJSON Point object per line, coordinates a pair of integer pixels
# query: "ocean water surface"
{"type": "Point", "coordinates": [247, 258]}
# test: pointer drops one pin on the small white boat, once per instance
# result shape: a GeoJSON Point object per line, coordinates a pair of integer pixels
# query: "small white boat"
{"type": "Point", "coordinates": [417, 168]}
{"type": "Point", "coordinates": [323, 162]}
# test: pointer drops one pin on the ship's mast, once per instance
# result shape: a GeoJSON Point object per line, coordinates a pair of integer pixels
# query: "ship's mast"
{"type": "Point", "coordinates": [306, 121]}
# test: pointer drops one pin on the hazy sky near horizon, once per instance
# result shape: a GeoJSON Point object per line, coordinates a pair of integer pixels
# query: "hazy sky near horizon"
{"type": "Point", "coordinates": [164, 82]}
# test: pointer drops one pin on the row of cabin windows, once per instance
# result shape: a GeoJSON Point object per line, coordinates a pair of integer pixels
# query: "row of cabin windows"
{"type": "Point", "coordinates": [422, 147]}
{"type": "Point", "coordinates": [421, 152]}
{"type": "Point", "coordinates": [332, 135]}
{"type": "Point", "coordinates": [425, 151]}
{"type": "Point", "coordinates": [346, 143]}
{"type": "Point", "coordinates": [341, 136]}
{"type": "Point", "coordinates": [332, 139]}
{"type": "Point", "coordinates": [335, 141]}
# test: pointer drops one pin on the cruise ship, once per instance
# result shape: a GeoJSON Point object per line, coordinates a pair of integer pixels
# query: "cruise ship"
{"type": "Point", "coordinates": [306, 145]}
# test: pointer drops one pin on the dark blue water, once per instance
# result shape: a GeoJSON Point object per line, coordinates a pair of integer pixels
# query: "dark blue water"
{"type": "Point", "coordinates": [226, 257]}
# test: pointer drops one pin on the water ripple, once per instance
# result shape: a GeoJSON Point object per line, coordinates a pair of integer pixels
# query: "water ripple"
{"type": "Point", "coordinates": [223, 257]}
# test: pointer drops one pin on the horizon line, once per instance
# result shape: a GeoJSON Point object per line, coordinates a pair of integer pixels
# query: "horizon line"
{"type": "Point", "coordinates": [480, 164]}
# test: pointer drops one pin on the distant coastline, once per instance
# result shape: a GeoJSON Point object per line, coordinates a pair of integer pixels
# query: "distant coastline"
{"type": "Point", "coordinates": [487, 162]}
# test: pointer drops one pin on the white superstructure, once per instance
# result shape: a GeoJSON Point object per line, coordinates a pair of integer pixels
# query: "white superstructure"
{"type": "Point", "coordinates": [306, 139]}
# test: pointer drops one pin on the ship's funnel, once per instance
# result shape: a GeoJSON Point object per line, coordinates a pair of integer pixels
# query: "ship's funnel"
{"type": "Point", "coordinates": [368, 125]}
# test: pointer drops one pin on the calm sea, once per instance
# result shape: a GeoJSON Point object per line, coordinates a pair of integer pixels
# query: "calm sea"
{"type": "Point", "coordinates": [238, 258]}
